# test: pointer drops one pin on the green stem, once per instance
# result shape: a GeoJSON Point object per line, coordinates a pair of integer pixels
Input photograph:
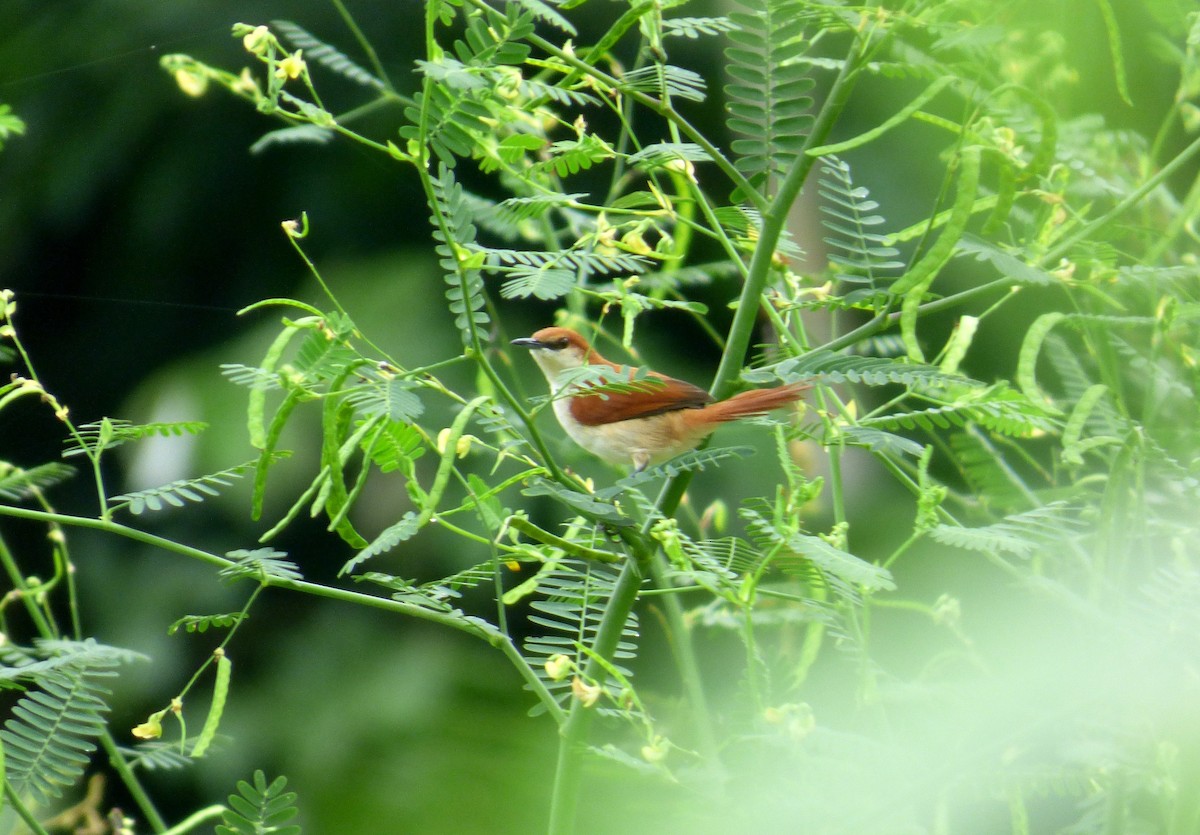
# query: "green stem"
{"type": "Point", "coordinates": [195, 819]}
{"type": "Point", "coordinates": [773, 221]}
{"type": "Point", "coordinates": [23, 813]}
{"type": "Point", "coordinates": [493, 637]}
{"type": "Point", "coordinates": [117, 760]}
{"type": "Point", "coordinates": [1132, 199]}
{"type": "Point", "coordinates": [574, 735]}
{"type": "Point", "coordinates": [680, 637]}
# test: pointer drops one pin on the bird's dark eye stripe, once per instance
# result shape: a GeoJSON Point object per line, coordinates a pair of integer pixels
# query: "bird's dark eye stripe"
{"type": "Point", "coordinates": [559, 344]}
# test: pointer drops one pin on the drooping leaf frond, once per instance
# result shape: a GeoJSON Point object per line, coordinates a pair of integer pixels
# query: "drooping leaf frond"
{"type": "Point", "coordinates": [585, 262]}
{"type": "Point", "coordinates": [463, 278]}
{"type": "Point", "coordinates": [877, 441]}
{"type": "Point", "coordinates": [583, 503]}
{"type": "Point", "coordinates": [260, 808]}
{"type": "Point", "coordinates": [157, 755]}
{"type": "Point", "coordinates": [108, 433]}
{"type": "Point", "coordinates": [1021, 534]}
{"type": "Point", "coordinates": [48, 739]}
{"type": "Point", "coordinates": [570, 156]}
{"type": "Point", "coordinates": [695, 27]}
{"type": "Point", "coordinates": [322, 53]}
{"type": "Point", "coordinates": [666, 81]}
{"type": "Point", "coordinates": [767, 98]}
{"type": "Point", "coordinates": [997, 408]}
{"type": "Point", "coordinates": [177, 493]}
{"type": "Point", "coordinates": [395, 397]}
{"type": "Point", "coordinates": [825, 366]}
{"type": "Point", "coordinates": [1006, 263]}
{"type": "Point", "coordinates": [694, 461]}
{"type": "Point", "coordinates": [661, 154]}
{"type": "Point", "coordinates": [393, 535]}
{"type": "Point", "coordinates": [293, 135]}
{"type": "Point", "coordinates": [17, 483]}
{"type": "Point", "coordinates": [260, 564]}
{"type": "Point", "coordinates": [202, 623]}
{"type": "Point", "coordinates": [544, 10]}
{"type": "Point", "coordinates": [859, 254]}
{"type": "Point", "coordinates": [507, 216]}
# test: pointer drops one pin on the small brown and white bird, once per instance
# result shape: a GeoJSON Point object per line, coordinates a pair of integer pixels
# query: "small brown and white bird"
{"type": "Point", "coordinates": [640, 427]}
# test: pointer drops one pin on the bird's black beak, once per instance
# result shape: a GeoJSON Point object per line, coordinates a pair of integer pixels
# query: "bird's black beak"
{"type": "Point", "coordinates": [528, 342]}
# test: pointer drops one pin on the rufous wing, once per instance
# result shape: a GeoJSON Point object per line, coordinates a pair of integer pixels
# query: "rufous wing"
{"type": "Point", "coordinates": [610, 407]}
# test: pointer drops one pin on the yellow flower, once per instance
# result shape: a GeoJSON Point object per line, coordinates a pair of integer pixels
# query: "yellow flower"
{"type": "Point", "coordinates": [588, 694]}
{"type": "Point", "coordinates": [291, 66]}
{"type": "Point", "coordinates": [151, 728]}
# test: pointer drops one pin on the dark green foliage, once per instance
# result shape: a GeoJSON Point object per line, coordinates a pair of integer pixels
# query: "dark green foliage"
{"type": "Point", "coordinates": [49, 739]}
{"type": "Point", "coordinates": [859, 253]}
{"type": "Point", "coordinates": [768, 98]}
{"type": "Point", "coordinates": [17, 484]}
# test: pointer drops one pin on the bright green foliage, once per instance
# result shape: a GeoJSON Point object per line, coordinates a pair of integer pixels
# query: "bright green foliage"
{"type": "Point", "coordinates": [999, 428]}
{"type": "Point", "coordinates": [260, 808]}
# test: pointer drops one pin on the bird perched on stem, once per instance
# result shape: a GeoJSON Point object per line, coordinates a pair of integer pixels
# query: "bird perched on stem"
{"type": "Point", "coordinates": [627, 415]}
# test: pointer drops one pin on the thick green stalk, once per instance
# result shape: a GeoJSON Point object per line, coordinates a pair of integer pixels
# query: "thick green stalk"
{"type": "Point", "coordinates": [574, 734]}
{"type": "Point", "coordinates": [773, 221]}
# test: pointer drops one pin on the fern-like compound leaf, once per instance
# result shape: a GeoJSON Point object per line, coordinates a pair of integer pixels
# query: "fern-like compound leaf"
{"type": "Point", "coordinates": [48, 739]}
{"type": "Point", "coordinates": [767, 99]}
{"type": "Point", "coordinates": [858, 250]}
{"type": "Point", "coordinates": [108, 433]}
{"type": "Point", "coordinates": [319, 52]}
{"type": "Point", "coordinates": [259, 808]}
{"type": "Point", "coordinates": [177, 493]}
{"type": "Point", "coordinates": [1020, 534]}
{"type": "Point", "coordinates": [260, 564]}
{"type": "Point", "coordinates": [830, 367]}
{"type": "Point", "coordinates": [466, 291]}
{"type": "Point", "coordinates": [575, 595]}
{"type": "Point", "coordinates": [17, 483]}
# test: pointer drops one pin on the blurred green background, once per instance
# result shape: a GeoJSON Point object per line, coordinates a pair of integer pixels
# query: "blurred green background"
{"type": "Point", "coordinates": [135, 222]}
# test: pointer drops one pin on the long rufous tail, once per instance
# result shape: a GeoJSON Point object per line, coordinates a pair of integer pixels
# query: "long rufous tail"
{"type": "Point", "coordinates": [754, 402]}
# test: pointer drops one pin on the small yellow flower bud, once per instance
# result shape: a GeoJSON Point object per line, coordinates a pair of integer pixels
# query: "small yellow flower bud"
{"type": "Point", "coordinates": [656, 751]}
{"type": "Point", "coordinates": [256, 41]}
{"type": "Point", "coordinates": [463, 445]}
{"type": "Point", "coordinates": [558, 666]}
{"type": "Point", "coordinates": [245, 82]}
{"type": "Point", "coordinates": [191, 82]}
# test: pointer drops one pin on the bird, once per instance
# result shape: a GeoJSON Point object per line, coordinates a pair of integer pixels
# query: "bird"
{"type": "Point", "coordinates": [659, 419]}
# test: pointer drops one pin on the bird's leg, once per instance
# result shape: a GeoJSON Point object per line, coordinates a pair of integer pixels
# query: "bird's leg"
{"type": "Point", "coordinates": [641, 458]}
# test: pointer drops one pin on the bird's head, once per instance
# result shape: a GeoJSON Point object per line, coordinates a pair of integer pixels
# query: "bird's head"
{"type": "Point", "coordinates": [557, 349]}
